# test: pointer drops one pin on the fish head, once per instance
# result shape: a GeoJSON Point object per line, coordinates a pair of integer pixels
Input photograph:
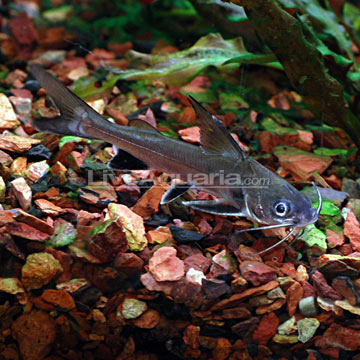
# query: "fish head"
{"type": "Point", "coordinates": [281, 204]}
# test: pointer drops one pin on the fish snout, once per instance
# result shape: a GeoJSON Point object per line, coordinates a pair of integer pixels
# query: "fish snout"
{"type": "Point", "coordinates": [305, 218]}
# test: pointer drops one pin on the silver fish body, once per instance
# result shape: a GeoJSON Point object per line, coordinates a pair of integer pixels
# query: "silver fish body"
{"type": "Point", "coordinates": [219, 166]}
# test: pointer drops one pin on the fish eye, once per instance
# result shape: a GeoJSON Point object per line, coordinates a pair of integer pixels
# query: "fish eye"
{"type": "Point", "coordinates": [281, 208]}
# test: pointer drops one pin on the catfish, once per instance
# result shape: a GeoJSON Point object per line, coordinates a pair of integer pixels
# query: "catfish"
{"type": "Point", "coordinates": [243, 186]}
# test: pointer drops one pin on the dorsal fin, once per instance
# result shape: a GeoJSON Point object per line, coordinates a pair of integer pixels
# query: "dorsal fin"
{"type": "Point", "coordinates": [213, 135]}
{"type": "Point", "coordinates": [141, 124]}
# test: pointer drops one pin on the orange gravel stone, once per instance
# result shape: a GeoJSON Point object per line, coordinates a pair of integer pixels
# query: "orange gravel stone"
{"type": "Point", "coordinates": [59, 298]}
{"type": "Point", "coordinates": [191, 134]}
{"type": "Point", "coordinates": [148, 320]}
{"type": "Point", "coordinates": [17, 144]}
{"type": "Point", "coordinates": [293, 296]}
{"type": "Point", "coordinates": [149, 202]}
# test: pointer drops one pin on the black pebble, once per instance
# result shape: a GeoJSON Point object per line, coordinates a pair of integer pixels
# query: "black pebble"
{"type": "Point", "coordinates": [158, 219]}
{"type": "Point", "coordinates": [253, 349]}
{"type": "Point", "coordinates": [184, 235]}
{"type": "Point", "coordinates": [38, 153]}
{"type": "Point", "coordinates": [89, 296]}
{"type": "Point", "coordinates": [125, 198]}
{"type": "Point", "coordinates": [213, 331]}
{"type": "Point", "coordinates": [214, 288]}
{"type": "Point", "coordinates": [35, 212]}
{"type": "Point", "coordinates": [300, 354]}
{"type": "Point", "coordinates": [144, 185]}
{"type": "Point", "coordinates": [344, 354]}
{"type": "Point", "coordinates": [178, 210]}
{"type": "Point", "coordinates": [39, 187]}
{"type": "Point", "coordinates": [32, 85]}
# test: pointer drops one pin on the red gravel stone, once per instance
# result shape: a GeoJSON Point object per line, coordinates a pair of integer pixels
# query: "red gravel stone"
{"type": "Point", "coordinates": [352, 230]}
{"type": "Point", "coordinates": [187, 293]}
{"type": "Point", "coordinates": [340, 337]}
{"type": "Point", "coordinates": [256, 272]}
{"type": "Point", "coordinates": [236, 313]}
{"type": "Point", "coordinates": [107, 244]}
{"type": "Point", "coordinates": [191, 336]}
{"type": "Point", "coordinates": [333, 238]}
{"type": "Point", "coordinates": [157, 237]}
{"type": "Point", "coordinates": [26, 231]}
{"type": "Point", "coordinates": [197, 262]}
{"type": "Point", "coordinates": [23, 29]}
{"type": "Point", "coordinates": [165, 266]}
{"type": "Point", "coordinates": [128, 263]}
{"type": "Point", "coordinates": [243, 327]}
{"type": "Point", "coordinates": [308, 289]}
{"type": "Point", "coordinates": [35, 333]}
{"type": "Point", "coordinates": [237, 298]}
{"type": "Point", "coordinates": [222, 350]}
{"type": "Point", "coordinates": [190, 134]}
{"type": "Point", "coordinates": [266, 329]}
{"type": "Point", "coordinates": [322, 287]}
{"type": "Point", "coordinates": [33, 221]}
{"type": "Point", "coordinates": [345, 287]}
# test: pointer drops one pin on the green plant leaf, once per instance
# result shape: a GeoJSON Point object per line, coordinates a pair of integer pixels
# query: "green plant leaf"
{"type": "Point", "coordinates": [180, 67]}
{"type": "Point", "coordinates": [175, 68]}
{"type": "Point", "coordinates": [101, 228]}
{"type": "Point", "coordinates": [331, 152]}
{"type": "Point", "coordinates": [66, 139]}
{"type": "Point", "coordinates": [313, 236]}
{"type": "Point", "coordinates": [256, 59]}
{"type": "Point", "coordinates": [331, 27]}
{"type": "Point", "coordinates": [64, 234]}
{"type": "Point", "coordinates": [272, 126]}
{"type": "Point", "coordinates": [328, 208]}
{"type": "Point", "coordinates": [58, 14]}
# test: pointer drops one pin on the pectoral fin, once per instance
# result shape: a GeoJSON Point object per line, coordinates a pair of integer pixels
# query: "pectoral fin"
{"type": "Point", "coordinates": [176, 189]}
{"type": "Point", "coordinates": [217, 207]}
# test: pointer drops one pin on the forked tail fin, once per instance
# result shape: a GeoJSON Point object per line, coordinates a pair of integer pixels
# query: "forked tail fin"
{"type": "Point", "coordinates": [77, 118]}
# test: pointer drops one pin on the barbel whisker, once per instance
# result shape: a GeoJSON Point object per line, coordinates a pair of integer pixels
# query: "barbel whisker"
{"type": "Point", "coordinates": [318, 210]}
{"type": "Point", "coordinates": [278, 243]}
{"type": "Point", "coordinates": [267, 227]}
